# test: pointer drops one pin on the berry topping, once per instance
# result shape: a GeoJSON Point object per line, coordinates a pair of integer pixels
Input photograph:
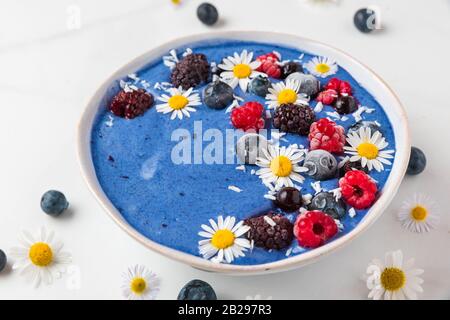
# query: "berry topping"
{"type": "Point", "coordinates": [340, 86]}
{"type": "Point", "coordinates": [309, 85]}
{"type": "Point", "coordinates": [131, 104]}
{"type": "Point", "coordinates": [326, 135]}
{"type": "Point", "coordinates": [218, 95]}
{"type": "Point", "coordinates": [365, 20]}
{"type": "Point", "coordinates": [191, 71]}
{"type": "Point", "coordinates": [207, 13]}
{"type": "Point", "coordinates": [327, 203]}
{"type": "Point", "coordinates": [345, 104]}
{"type": "Point", "coordinates": [260, 86]}
{"type": "Point", "coordinates": [313, 228]}
{"type": "Point", "coordinates": [197, 290]}
{"type": "Point", "coordinates": [54, 203]}
{"type": "Point", "coordinates": [358, 189]}
{"type": "Point", "coordinates": [289, 199]}
{"type": "Point", "coordinates": [3, 260]}
{"type": "Point", "coordinates": [417, 161]}
{"type": "Point", "coordinates": [248, 116]}
{"type": "Point", "coordinates": [321, 164]}
{"type": "Point", "coordinates": [327, 96]}
{"type": "Point", "coordinates": [293, 118]}
{"type": "Point", "coordinates": [271, 231]}
{"type": "Point", "coordinates": [270, 65]}
{"type": "Point", "coordinates": [290, 68]}
{"type": "Point", "coordinates": [352, 165]}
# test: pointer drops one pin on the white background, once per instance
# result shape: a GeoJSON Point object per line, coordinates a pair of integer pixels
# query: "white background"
{"type": "Point", "coordinates": [48, 72]}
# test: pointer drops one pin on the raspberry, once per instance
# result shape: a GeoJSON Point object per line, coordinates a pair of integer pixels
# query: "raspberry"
{"type": "Point", "coordinates": [294, 118]}
{"type": "Point", "coordinates": [190, 71]}
{"type": "Point", "coordinates": [267, 235]}
{"type": "Point", "coordinates": [248, 116]}
{"type": "Point", "coordinates": [313, 228]}
{"type": "Point", "coordinates": [327, 96]}
{"type": "Point", "coordinates": [326, 135]}
{"type": "Point", "coordinates": [270, 65]}
{"type": "Point", "coordinates": [131, 104]}
{"type": "Point", "coordinates": [358, 189]}
{"type": "Point", "coordinates": [340, 86]}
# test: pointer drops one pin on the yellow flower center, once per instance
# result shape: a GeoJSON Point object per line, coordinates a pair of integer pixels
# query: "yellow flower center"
{"type": "Point", "coordinates": [223, 239]}
{"type": "Point", "coordinates": [178, 102]}
{"type": "Point", "coordinates": [242, 71]}
{"type": "Point", "coordinates": [281, 166]}
{"type": "Point", "coordinates": [322, 68]}
{"type": "Point", "coordinates": [393, 279]}
{"type": "Point", "coordinates": [367, 150]}
{"type": "Point", "coordinates": [287, 96]}
{"type": "Point", "coordinates": [138, 285]}
{"type": "Point", "coordinates": [419, 213]}
{"type": "Point", "coordinates": [40, 254]}
{"type": "Point", "coordinates": [176, 1]}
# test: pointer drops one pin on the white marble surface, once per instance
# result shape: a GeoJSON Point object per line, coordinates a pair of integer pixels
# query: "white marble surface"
{"type": "Point", "coordinates": [49, 71]}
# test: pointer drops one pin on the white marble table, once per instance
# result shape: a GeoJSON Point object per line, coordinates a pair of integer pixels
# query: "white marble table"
{"type": "Point", "coordinates": [49, 68]}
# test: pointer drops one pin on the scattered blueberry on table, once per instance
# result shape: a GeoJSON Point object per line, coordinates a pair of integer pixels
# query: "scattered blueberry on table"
{"type": "Point", "coordinates": [3, 260]}
{"type": "Point", "coordinates": [197, 290]}
{"type": "Point", "coordinates": [207, 13]}
{"type": "Point", "coordinates": [417, 161]}
{"type": "Point", "coordinates": [54, 203]}
{"type": "Point", "coordinates": [364, 20]}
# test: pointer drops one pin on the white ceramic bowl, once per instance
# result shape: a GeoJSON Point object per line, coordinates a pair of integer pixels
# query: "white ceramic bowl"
{"type": "Point", "coordinates": [370, 81]}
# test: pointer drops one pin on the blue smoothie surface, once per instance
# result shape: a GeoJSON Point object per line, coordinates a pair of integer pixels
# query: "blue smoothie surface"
{"type": "Point", "coordinates": [168, 202]}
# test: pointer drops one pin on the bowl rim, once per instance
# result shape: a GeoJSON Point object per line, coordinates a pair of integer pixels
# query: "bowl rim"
{"type": "Point", "coordinates": [401, 134]}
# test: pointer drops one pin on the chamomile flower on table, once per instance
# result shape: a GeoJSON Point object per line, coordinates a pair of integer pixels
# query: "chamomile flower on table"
{"type": "Point", "coordinates": [239, 69]}
{"type": "Point", "coordinates": [280, 166]}
{"type": "Point", "coordinates": [224, 240]}
{"type": "Point", "coordinates": [139, 283]}
{"type": "Point", "coordinates": [321, 67]}
{"type": "Point", "coordinates": [284, 93]}
{"type": "Point", "coordinates": [178, 102]}
{"type": "Point", "coordinates": [369, 148]}
{"type": "Point", "coordinates": [40, 257]}
{"type": "Point", "coordinates": [419, 214]}
{"type": "Point", "coordinates": [394, 279]}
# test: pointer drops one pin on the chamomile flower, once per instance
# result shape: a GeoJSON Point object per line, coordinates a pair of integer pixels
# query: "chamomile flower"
{"type": "Point", "coordinates": [368, 148]}
{"type": "Point", "coordinates": [284, 93]}
{"type": "Point", "coordinates": [419, 214]}
{"type": "Point", "coordinates": [239, 69]}
{"type": "Point", "coordinates": [178, 102]}
{"type": "Point", "coordinates": [321, 67]}
{"type": "Point", "coordinates": [224, 240]}
{"type": "Point", "coordinates": [393, 279]}
{"type": "Point", "coordinates": [280, 166]}
{"type": "Point", "coordinates": [139, 283]}
{"type": "Point", "coordinates": [39, 258]}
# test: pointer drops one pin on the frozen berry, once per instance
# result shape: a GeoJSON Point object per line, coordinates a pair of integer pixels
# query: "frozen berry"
{"type": "Point", "coordinates": [248, 116]}
{"type": "Point", "coordinates": [197, 290]}
{"type": "Point", "coordinates": [417, 161]}
{"type": "Point", "coordinates": [3, 260]}
{"type": "Point", "coordinates": [345, 104]}
{"type": "Point", "coordinates": [293, 118]}
{"type": "Point", "coordinates": [218, 95]}
{"type": "Point", "coordinates": [250, 146]}
{"type": "Point", "coordinates": [313, 228]}
{"type": "Point", "coordinates": [54, 203]}
{"type": "Point", "coordinates": [191, 71]}
{"type": "Point", "coordinates": [351, 165]}
{"type": "Point", "coordinates": [289, 199]}
{"type": "Point", "coordinates": [374, 127]}
{"type": "Point", "coordinates": [207, 13]}
{"type": "Point", "coordinates": [270, 65]}
{"type": "Point", "coordinates": [309, 85]}
{"type": "Point", "coordinates": [131, 104]}
{"type": "Point", "coordinates": [340, 86]}
{"type": "Point", "coordinates": [327, 135]}
{"type": "Point", "coordinates": [260, 86]}
{"type": "Point", "coordinates": [290, 68]}
{"type": "Point", "coordinates": [271, 231]}
{"type": "Point", "coordinates": [358, 189]}
{"type": "Point", "coordinates": [327, 203]}
{"type": "Point", "coordinates": [321, 164]}
{"type": "Point", "coordinates": [365, 20]}
{"type": "Point", "coordinates": [327, 96]}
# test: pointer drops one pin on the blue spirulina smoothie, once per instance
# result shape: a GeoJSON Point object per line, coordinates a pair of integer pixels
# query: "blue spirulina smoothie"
{"type": "Point", "coordinates": [169, 202]}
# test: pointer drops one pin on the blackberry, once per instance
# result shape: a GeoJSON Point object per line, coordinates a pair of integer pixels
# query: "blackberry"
{"type": "Point", "coordinates": [269, 236]}
{"type": "Point", "coordinates": [349, 165]}
{"type": "Point", "coordinates": [131, 104]}
{"type": "Point", "coordinates": [191, 71]}
{"type": "Point", "coordinates": [291, 67]}
{"type": "Point", "coordinates": [294, 118]}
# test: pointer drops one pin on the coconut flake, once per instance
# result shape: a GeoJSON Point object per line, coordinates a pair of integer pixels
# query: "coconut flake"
{"type": "Point", "coordinates": [253, 171]}
{"type": "Point", "coordinates": [134, 77]}
{"type": "Point", "coordinates": [187, 52]}
{"type": "Point", "coordinates": [339, 225]}
{"type": "Point", "coordinates": [110, 121]}
{"type": "Point", "coordinates": [352, 212]}
{"type": "Point", "coordinates": [307, 198]}
{"type": "Point", "coordinates": [343, 161]}
{"type": "Point", "coordinates": [316, 186]}
{"type": "Point", "coordinates": [334, 115]}
{"type": "Point", "coordinates": [234, 188]}
{"type": "Point", "coordinates": [269, 196]}
{"type": "Point", "coordinates": [171, 60]}
{"type": "Point", "coordinates": [318, 107]}
{"type": "Point", "coordinates": [268, 114]}
{"type": "Point", "coordinates": [269, 221]}
{"type": "Point", "coordinates": [241, 168]}
{"type": "Point", "coordinates": [233, 105]}
{"type": "Point", "coordinates": [288, 252]}
{"type": "Point", "coordinates": [337, 193]}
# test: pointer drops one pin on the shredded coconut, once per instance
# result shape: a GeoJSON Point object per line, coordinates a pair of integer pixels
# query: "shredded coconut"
{"type": "Point", "coordinates": [234, 188]}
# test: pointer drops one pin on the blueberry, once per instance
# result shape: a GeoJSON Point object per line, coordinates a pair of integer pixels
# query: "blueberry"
{"type": "Point", "coordinates": [321, 164]}
{"type": "Point", "coordinates": [291, 67]}
{"type": "Point", "coordinates": [3, 260]}
{"type": "Point", "coordinates": [352, 165]}
{"type": "Point", "coordinates": [54, 203]}
{"type": "Point", "coordinates": [260, 86]}
{"type": "Point", "coordinates": [207, 13]}
{"type": "Point", "coordinates": [289, 199]}
{"type": "Point", "coordinates": [218, 95]}
{"type": "Point", "coordinates": [368, 124]}
{"type": "Point", "coordinates": [345, 104]}
{"type": "Point", "coordinates": [309, 85]}
{"type": "Point", "coordinates": [417, 161]}
{"type": "Point", "coordinates": [197, 290]}
{"type": "Point", "coordinates": [365, 20]}
{"type": "Point", "coordinates": [250, 146]}
{"type": "Point", "coordinates": [327, 203]}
